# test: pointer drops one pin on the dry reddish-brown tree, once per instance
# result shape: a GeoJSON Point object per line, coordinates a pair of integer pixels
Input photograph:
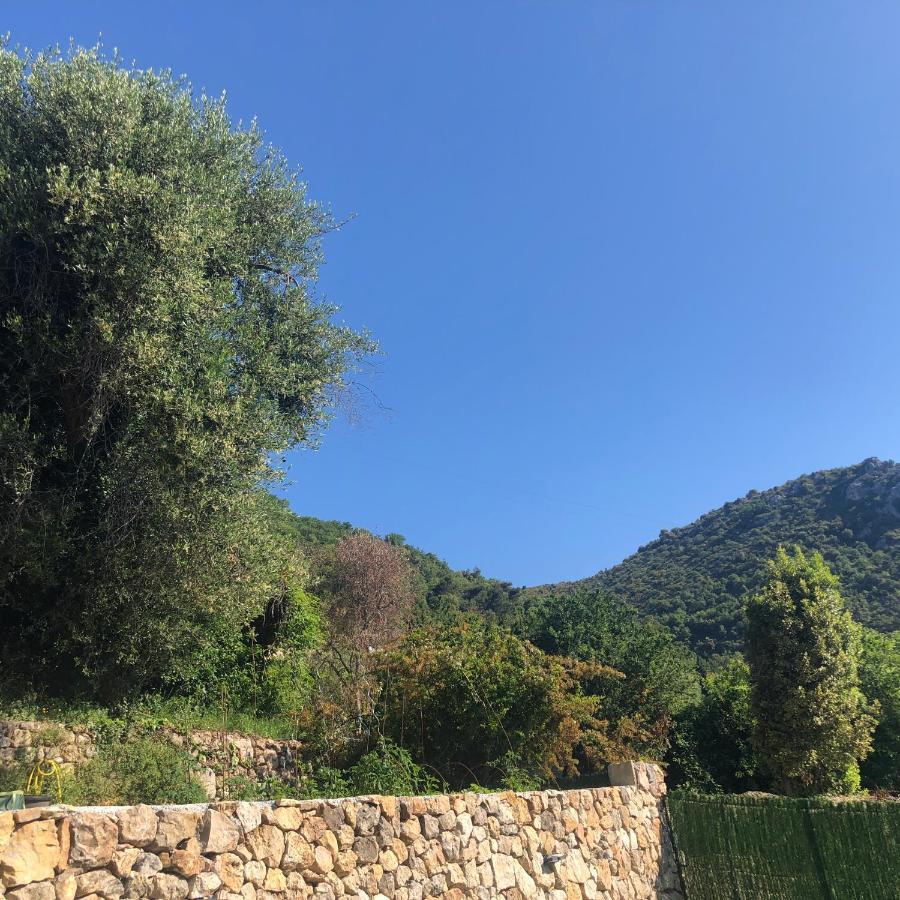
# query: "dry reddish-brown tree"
{"type": "Point", "coordinates": [372, 590]}
{"type": "Point", "coordinates": [370, 587]}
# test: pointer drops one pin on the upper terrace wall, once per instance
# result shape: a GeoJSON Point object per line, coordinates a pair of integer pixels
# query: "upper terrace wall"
{"type": "Point", "coordinates": [220, 755]}
{"type": "Point", "coordinates": [566, 845]}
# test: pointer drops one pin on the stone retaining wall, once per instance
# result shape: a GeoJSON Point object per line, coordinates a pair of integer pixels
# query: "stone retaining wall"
{"type": "Point", "coordinates": [219, 755]}
{"type": "Point", "coordinates": [609, 843]}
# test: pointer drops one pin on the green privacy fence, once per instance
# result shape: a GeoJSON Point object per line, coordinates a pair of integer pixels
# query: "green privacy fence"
{"type": "Point", "coordinates": [778, 848]}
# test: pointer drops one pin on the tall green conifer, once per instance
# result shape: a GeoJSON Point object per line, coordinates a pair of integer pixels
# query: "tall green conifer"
{"type": "Point", "coordinates": [812, 725]}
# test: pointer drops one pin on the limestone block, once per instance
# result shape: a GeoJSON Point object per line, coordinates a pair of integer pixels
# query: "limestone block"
{"type": "Point", "coordinates": [174, 826]}
{"type": "Point", "coordinates": [267, 844]}
{"type": "Point", "coordinates": [65, 886]}
{"type": "Point", "coordinates": [451, 846]}
{"type": "Point", "coordinates": [288, 818]}
{"type": "Point", "coordinates": [275, 881]}
{"type": "Point", "coordinates": [366, 849]}
{"type": "Point", "coordinates": [255, 872]}
{"type": "Point", "coordinates": [622, 774]}
{"type": "Point", "coordinates": [138, 885]}
{"type": "Point", "coordinates": [230, 869]}
{"type": "Point", "coordinates": [186, 863]}
{"type": "Point", "coordinates": [313, 827]}
{"type": "Point", "coordinates": [207, 778]}
{"type": "Point", "coordinates": [504, 873]}
{"type": "Point", "coordinates": [298, 853]}
{"type": "Point", "coordinates": [322, 861]}
{"type": "Point", "coordinates": [137, 825]}
{"type": "Point", "coordinates": [100, 882]}
{"type": "Point", "coordinates": [203, 885]}
{"type": "Point", "coordinates": [412, 807]}
{"type": "Point", "coordinates": [6, 828]}
{"type": "Point", "coordinates": [31, 854]}
{"type": "Point", "coordinates": [169, 887]}
{"type": "Point", "coordinates": [38, 890]}
{"type": "Point", "coordinates": [146, 864]}
{"type": "Point", "coordinates": [123, 861]}
{"type": "Point", "coordinates": [464, 826]}
{"type": "Point", "coordinates": [430, 827]}
{"type": "Point", "coordinates": [24, 816]}
{"type": "Point", "coordinates": [248, 815]}
{"type": "Point", "coordinates": [367, 817]}
{"type": "Point", "coordinates": [333, 815]}
{"type": "Point", "coordinates": [218, 833]}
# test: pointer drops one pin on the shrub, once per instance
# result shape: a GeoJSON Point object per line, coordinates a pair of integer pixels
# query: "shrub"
{"type": "Point", "coordinates": [660, 675]}
{"type": "Point", "coordinates": [142, 770]}
{"type": "Point", "coordinates": [389, 769]}
{"type": "Point", "coordinates": [710, 748]}
{"type": "Point", "coordinates": [879, 676]}
{"type": "Point", "coordinates": [462, 697]}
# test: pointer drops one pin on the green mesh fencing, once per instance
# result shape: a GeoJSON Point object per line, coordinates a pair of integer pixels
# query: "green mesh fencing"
{"type": "Point", "coordinates": [754, 848]}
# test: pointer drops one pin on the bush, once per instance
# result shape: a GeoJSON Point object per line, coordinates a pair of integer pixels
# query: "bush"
{"type": "Point", "coordinates": [13, 778]}
{"type": "Point", "coordinates": [328, 782]}
{"type": "Point", "coordinates": [389, 769]}
{"type": "Point", "coordinates": [143, 770]}
{"type": "Point", "coordinates": [463, 697]}
{"type": "Point", "coordinates": [710, 747]}
{"type": "Point", "coordinates": [879, 676]}
{"type": "Point", "coordinates": [660, 675]}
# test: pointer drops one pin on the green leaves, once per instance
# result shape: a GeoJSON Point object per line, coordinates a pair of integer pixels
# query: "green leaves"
{"type": "Point", "coordinates": [160, 343]}
{"type": "Point", "coordinates": [695, 579]}
{"type": "Point", "coordinates": [660, 677]}
{"type": "Point", "coordinates": [468, 699]}
{"type": "Point", "coordinates": [879, 678]}
{"type": "Point", "coordinates": [812, 723]}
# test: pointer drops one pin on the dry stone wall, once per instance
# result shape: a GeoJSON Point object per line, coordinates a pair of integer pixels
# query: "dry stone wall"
{"type": "Point", "coordinates": [29, 742]}
{"type": "Point", "coordinates": [220, 755]}
{"type": "Point", "coordinates": [609, 843]}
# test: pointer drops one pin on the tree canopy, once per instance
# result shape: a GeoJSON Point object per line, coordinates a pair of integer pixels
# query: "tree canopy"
{"type": "Point", "coordinates": [660, 676]}
{"type": "Point", "coordinates": [160, 344]}
{"type": "Point", "coordinates": [811, 722]}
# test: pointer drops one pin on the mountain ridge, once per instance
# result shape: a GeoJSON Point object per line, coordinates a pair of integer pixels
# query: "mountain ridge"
{"type": "Point", "coordinates": [694, 578]}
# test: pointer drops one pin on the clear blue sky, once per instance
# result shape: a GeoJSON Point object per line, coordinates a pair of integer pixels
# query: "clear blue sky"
{"type": "Point", "coordinates": [626, 259]}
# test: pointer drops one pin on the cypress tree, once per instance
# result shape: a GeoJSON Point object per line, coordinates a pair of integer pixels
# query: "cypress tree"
{"type": "Point", "coordinates": [811, 722]}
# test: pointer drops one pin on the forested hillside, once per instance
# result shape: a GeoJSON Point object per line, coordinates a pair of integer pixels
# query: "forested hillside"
{"type": "Point", "coordinates": [443, 590]}
{"type": "Point", "coordinates": [695, 579]}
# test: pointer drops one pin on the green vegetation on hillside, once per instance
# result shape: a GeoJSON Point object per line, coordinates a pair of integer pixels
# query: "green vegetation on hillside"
{"type": "Point", "coordinates": [161, 345]}
{"type": "Point", "coordinates": [445, 592]}
{"type": "Point", "coordinates": [695, 579]}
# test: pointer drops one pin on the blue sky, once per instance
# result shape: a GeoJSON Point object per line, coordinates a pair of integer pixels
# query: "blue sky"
{"type": "Point", "coordinates": [626, 259]}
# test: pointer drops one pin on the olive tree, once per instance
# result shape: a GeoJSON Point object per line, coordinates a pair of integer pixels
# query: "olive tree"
{"type": "Point", "coordinates": [160, 345]}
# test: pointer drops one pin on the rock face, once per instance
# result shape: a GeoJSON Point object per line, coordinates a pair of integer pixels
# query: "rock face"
{"type": "Point", "coordinates": [600, 844]}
